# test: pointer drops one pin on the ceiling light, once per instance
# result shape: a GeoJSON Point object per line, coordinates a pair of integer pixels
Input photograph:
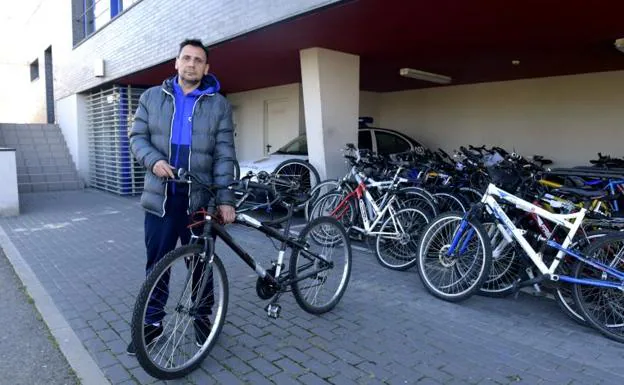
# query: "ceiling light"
{"type": "Point", "coordinates": [426, 76]}
{"type": "Point", "coordinates": [619, 44]}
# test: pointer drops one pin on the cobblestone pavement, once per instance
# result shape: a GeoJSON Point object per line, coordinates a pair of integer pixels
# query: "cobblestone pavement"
{"type": "Point", "coordinates": [87, 249]}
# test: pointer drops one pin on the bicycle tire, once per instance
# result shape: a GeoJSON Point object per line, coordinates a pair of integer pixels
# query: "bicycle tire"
{"type": "Point", "coordinates": [415, 198]}
{"type": "Point", "coordinates": [470, 195]}
{"type": "Point", "coordinates": [299, 288]}
{"type": "Point", "coordinates": [589, 302]}
{"type": "Point", "coordinates": [481, 266]}
{"type": "Point", "coordinates": [288, 169]}
{"type": "Point", "coordinates": [330, 201]}
{"type": "Point", "coordinates": [506, 268]}
{"type": "Point", "coordinates": [403, 250]}
{"type": "Point", "coordinates": [324, 187]}
{"type": "Point", "coordinates": [138, 318]}
{"type": "Point", "coordinates": [420, 190]}
{"type": "Point", "coordinates": [448, 202]}
{"type": "Point", "coordinates": [563, 293]}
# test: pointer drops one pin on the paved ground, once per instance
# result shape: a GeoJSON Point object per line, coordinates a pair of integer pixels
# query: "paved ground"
{"type": "Point", "coordinates": [29, 355]}
{"type": "Point", "coordinates": [87, 250]}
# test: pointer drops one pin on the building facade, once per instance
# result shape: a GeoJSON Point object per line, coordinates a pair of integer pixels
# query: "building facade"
{"type": "Point", "coordinates": [525, 77]}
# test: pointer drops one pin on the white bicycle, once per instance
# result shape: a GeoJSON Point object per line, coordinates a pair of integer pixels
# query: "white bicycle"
{"type": "Point", "coordinates": [455, 256]}
{"type": "Point", "coordinates": [396, 228]}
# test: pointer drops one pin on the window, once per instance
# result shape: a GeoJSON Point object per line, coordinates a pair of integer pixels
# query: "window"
{"type": "Point", "coordinates": [364, 140]}
{"type": "Point", "coordinates": [91, 15]}
{"type": "Point", "coordinates": [388, 143]}
{"type": "Point", "coordinates": [34, 70]}
{"type": "Point", "coordinates": [298, 146]}
{"type": "Point", "coordinates": [125, 4]}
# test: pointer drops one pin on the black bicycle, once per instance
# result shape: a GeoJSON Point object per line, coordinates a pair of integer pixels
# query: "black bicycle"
{"type": "Point", "coordinates": [187, 291]}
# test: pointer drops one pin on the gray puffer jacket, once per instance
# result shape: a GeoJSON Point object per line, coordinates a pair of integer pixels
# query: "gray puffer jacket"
{"type": "Point", "coordinates": [212, 144]}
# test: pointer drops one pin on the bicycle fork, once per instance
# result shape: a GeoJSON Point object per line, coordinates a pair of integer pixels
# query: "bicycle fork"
{"type": "Point", "coordinates": [457, 238]}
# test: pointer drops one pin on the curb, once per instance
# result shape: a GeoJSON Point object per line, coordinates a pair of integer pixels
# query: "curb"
{"type": "Point", "coordinates": [77, 356]}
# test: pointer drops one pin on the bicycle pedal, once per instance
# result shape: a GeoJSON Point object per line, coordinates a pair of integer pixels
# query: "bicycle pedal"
{"type": "Point", "coordinates": [273, 310]}
{"type": "Point", "coordinates": [274, 264]}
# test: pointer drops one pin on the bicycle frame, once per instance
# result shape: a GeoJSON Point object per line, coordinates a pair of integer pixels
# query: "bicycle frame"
{"type": "Point", "coordinates": [365, 202]}
{"type": "Point", "coordinates": [570, 221]}
{"type": "Point", "coordinates": [612, 186]}
{"type": "Point", "coordinates": [218, 230]}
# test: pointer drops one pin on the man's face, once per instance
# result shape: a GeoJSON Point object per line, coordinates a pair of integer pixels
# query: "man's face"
{"type": "Point", "coordinates": [191, 64]}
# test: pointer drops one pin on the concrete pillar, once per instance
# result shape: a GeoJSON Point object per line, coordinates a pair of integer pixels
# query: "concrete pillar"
{"type": "Point", "coordinates": [9, 196]}
{"type": "Point", "coordinates": [331, 93]}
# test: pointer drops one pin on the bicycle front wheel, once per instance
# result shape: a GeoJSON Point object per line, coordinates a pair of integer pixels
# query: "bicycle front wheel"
{"type": "Point", "coordinates": [321, 271]}
{"type": "Point", "coordinates": [506, 267]}
{"type": "Point", "coordinates": [185, 298]}
{"type": "Point", "coordinates": [454, 276]}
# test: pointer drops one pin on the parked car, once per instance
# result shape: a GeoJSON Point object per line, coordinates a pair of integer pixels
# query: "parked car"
{"type": "Point", "coordinates": [380, 140]}
{"type": "Point", "coordinates": [291, 160]}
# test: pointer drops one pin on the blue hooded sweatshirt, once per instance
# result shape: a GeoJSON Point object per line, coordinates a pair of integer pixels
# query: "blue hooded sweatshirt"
{"type": "Point", "coordinates": [182, 125]}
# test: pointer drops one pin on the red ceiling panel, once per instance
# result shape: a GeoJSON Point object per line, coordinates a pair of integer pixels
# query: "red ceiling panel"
{"type": "Point", "coordinates": [469, 40]}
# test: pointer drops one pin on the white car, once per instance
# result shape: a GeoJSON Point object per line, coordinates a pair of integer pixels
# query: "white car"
{"type": "Point", "coordinates": [378, 140]}
{"type": "Point", "coordinates": [291, 160]}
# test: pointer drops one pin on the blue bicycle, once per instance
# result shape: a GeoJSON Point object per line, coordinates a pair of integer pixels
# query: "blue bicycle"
{"type": "Point", "coordinates": [455, 256]}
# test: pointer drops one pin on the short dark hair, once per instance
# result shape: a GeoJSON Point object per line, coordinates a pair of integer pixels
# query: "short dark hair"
{"type": "Point", "coordinates": [195, 43]}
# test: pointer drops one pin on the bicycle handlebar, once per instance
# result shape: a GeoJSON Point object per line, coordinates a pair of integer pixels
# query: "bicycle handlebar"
{"type": "Point", "coordinates": [185, 176]}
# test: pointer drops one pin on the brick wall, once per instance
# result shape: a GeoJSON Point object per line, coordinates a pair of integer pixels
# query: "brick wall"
{"type": "Point", "coordinates": [149, 33]}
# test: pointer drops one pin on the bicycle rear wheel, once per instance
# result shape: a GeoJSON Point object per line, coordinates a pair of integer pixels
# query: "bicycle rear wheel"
{"type": "Point", "coordinates": [454, 277]}
{"type": "Point", "coordinates": [397, 246]}
{"type": "Point", "coordinates": [470, 195]}
{"type": "Point", "coordinates": [448, 202]}
{"type": "Point", "coordinates": [303, 174]}
{"type": "Point", "coordinates": [563, 293]}
{"type": "Point", "coordinates": [325, 187]}
{"type": "Point", "coordinates": [332, 205]}
{"type": "Point", "coordinates": [414, 197]}
{"type": "Point", "coordinates": [322, 270]}
{"type": "Point", "coordinates": [602, 307]}
{"type": "Point", "coordinates": [186, 293]}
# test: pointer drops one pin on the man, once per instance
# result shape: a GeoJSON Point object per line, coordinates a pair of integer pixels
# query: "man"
{"type": "Point", "coordinates": [184, 123]}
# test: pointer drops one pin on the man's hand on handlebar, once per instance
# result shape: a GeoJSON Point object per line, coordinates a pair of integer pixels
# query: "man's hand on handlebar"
{"type": "Point", "coordinates": [226, 213]}
{"type": "Point", "coordinates": [162, 169]}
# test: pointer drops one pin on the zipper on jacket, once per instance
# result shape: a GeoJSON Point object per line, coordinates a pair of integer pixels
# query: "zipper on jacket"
{"type": "Point", "coordinates": [178, 139]}
{"type": "Point", "coordinates": [169, 154]}
{"type": "Point", "coordinates": [188, 209]}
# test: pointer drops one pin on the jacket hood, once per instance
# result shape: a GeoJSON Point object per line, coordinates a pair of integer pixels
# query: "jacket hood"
{"type": "Point", "coordinates": [209, 84]}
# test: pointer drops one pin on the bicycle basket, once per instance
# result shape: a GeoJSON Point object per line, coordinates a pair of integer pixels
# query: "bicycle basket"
{"type": "Point", "coordinates": [504, 176]}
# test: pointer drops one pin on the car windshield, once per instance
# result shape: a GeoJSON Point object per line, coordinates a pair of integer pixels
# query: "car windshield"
{"type": "Point", "coordinates": [297, 146]}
